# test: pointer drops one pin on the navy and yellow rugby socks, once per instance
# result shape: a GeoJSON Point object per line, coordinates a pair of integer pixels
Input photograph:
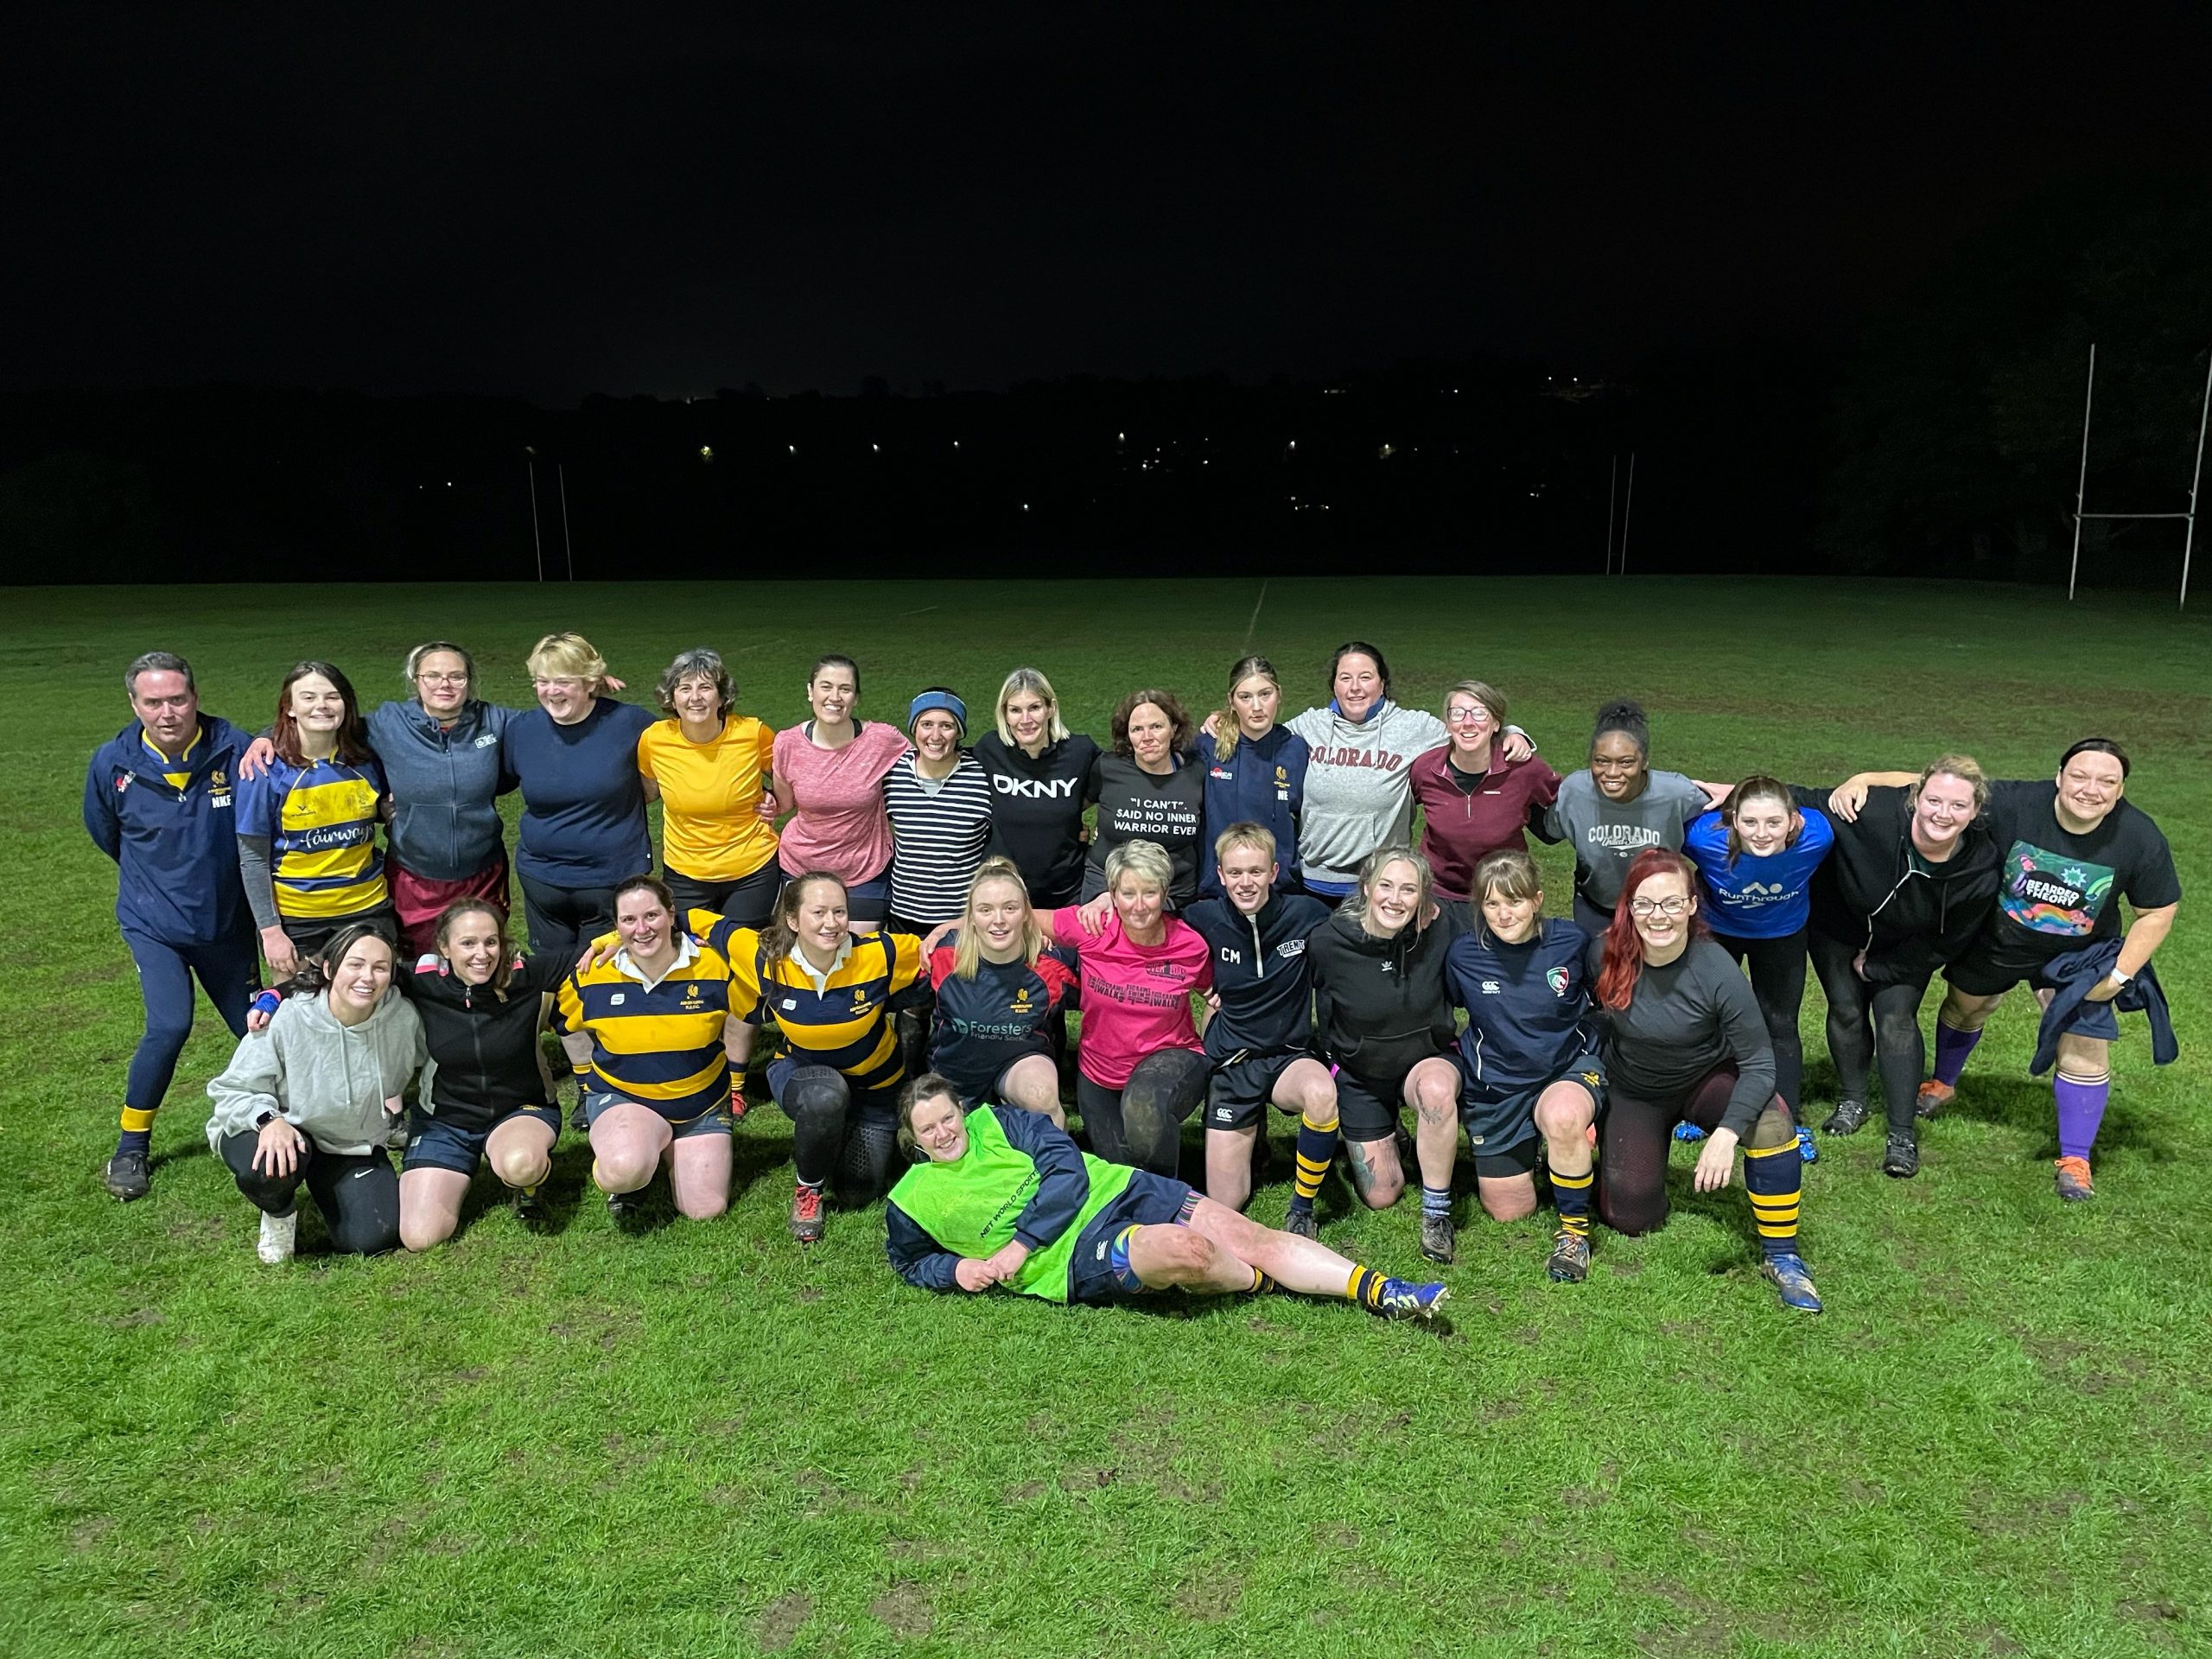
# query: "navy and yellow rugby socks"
{"type": "Point", "coordinates": [137, 1135]}
{"type": "Point", "coordinates": [1774, 1177]}
{"type": "Point", "coordinates": [1570, 1195]}
{"type": "Point", "coordinates": [1317, 1150]}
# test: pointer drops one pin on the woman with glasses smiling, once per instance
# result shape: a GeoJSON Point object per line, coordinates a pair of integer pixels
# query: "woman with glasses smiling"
{"type": "Point", "coordinates": [583, 818]}
{"type": "Point", "coordinates": [1474, 801]}
{"type": "Point", "coordinates": [1617, 806]}
{"type": "Point", "coordinates": [1684, 1042]}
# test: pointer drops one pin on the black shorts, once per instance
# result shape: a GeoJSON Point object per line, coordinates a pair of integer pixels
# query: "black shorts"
{"type": "Point", "coordinates": [1363, 1114]}
{"type": "Point", "coordinates": [1496, 1164]}
{"type": "Point", "coordinates": [1992, 965]}
{"type": "Point", "coordinates": [1242, 1088]}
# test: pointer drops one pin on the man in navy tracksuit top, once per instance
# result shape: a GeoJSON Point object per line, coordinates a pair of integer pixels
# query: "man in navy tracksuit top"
{"type": "Point", "coordinates": [1529, 1060]}
{"type": "Point", "coordinates": [157, 801]}
{"type": "Point", "coordinates": [1261, 1042]}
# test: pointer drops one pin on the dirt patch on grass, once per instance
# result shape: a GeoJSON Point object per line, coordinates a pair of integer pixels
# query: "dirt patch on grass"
{"type": "Point", "coordinates": [905, 1611]}
{"type": "Point", "coordinates": [781, 1620]}
{"type": "Point", "coordinates": [1211, 1601]}
{"type": "Point", "coordinates": [88, 1533]}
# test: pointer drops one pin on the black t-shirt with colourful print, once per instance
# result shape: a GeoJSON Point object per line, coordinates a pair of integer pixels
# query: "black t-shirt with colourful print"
{"type": "Point", "coordinates": [2060, 890]}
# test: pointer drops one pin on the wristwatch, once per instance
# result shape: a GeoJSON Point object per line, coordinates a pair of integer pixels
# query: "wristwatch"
{"type": "Point", "coordinates": [2117, 981]}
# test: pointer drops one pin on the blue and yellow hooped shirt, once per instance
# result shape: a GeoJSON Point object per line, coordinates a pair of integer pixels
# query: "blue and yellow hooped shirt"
{"type": "Point", "coordinates": [659, 1044]}
{"type": "Point", "coordinates": [320, 819]}
{"type": "Point", "coordinates": [840, 1019]}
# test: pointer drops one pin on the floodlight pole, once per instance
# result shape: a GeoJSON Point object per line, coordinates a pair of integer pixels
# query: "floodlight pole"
{"type": "Point", "coordinates": [560, 469]}
{"type": "Point", "coordinates": [1612, 504]}
{"type": "Point", "coordinates": [2082, 482]}
{"type": "Point", "coordinates": [2189, 538]}
{"type": "Point", "coordinates": [536, 540]}
{"type": "Point", "coordinates": [1628, 506]}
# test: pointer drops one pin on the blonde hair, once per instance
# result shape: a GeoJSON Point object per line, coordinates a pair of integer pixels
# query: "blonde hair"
{"type": "Point", "coordinates": [569, 656]}
{"type": "Point", "coordinates": [1148, 860]}
{"type": "Point", "coordinates": [1227, 733]}
{"type": "Point", "coordinates": [1965, 768]}
{"type": "Point", "coordinates": [1029, 680]}
{"type": "Point", "coordinates": [968, 954]}
{"type": "Point", "coordinates": [1255, 837]}
{"type": "Point", "coordinates": [1381, 859]}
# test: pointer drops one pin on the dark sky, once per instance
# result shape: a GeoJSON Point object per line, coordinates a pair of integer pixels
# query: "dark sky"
{"type": "Point", "coordinates": [511, 201]}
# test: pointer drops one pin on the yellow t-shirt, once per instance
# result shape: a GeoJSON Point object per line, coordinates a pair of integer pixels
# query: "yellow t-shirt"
{"type": "Point", "coordinates": [707, 793]}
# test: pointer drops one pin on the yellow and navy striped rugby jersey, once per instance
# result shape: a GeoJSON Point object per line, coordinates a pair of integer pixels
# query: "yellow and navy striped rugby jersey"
{"type": "Point", "coordinates": [320, 819]}
{"type": "Point", "coordinates": [845, 1024]}
{"type": "Point", "coordinates": [660, 1046]}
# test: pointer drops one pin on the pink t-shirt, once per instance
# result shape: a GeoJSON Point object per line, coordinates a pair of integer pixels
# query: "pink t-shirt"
{"type": "Point", "coordinates": [1136, 998]}
{"type": "Point", "coordinates": [840, 825]}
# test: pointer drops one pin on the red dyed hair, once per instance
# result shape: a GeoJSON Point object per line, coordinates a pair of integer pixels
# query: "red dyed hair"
{"type": "Point", "coordinates": [1623, 962]}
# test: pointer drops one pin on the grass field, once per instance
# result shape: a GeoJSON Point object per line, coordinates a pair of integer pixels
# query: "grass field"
{"type": "Point", "coordinates": [700, 1440]}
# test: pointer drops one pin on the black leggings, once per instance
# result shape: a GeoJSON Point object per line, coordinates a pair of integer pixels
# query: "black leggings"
{"type": "Point", "coordinates": [1778, 981]}
{"type": "Point", "coordinates": [749, 900]}
{"type": "Point", "coordinates": [357, 1192]}
{"type": "Point", "coordinates": [1635, 1133]}
{"type": "Point", "coordinates": [834, 1133]}
{"type": "Point", "coordinates": [1867, 1023]}
{"type": "Point", "coordinates": [1142, 1123]}
{"type": "Point", "coordinates": [563, 919]}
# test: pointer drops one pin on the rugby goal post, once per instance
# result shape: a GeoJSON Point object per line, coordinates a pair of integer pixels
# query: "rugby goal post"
{"type": "Point", "coordinates": [2081, 483]}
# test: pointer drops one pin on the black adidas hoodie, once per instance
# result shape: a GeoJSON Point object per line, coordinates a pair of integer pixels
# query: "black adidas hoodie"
{"type": "Point", "coordinates": [1381, 1004]}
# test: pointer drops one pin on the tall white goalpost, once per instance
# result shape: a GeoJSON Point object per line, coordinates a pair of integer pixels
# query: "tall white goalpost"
{"type": "Point", "coordinates": [2081, 483]}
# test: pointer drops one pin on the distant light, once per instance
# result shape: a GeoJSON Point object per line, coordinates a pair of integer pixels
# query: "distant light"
{"type": "Point", "coordinates": [449, 483]}
{"type": "Point", "coordinates": [1121, 437]}
{"type": "Point", "coordinates": [877, 447]}
{"type": "Point", "coordinates": [1025, 506]}
{"type": "Point", "coordinates": [706, 450]}
{"type": "Point", "coordinates": [955, 443]}
{"type": "Point", "coordinates": [792, 448]}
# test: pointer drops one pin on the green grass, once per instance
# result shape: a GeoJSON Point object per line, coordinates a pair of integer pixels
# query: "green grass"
{"type": "Point", "coordinates": [700, 1440]}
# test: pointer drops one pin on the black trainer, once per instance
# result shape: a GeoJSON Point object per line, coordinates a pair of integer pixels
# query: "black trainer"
{"type": "Point", "coordinates": [1848, 1118]}
{"type": "Point", "coordinates": [1901, 1157]}
{"type": "Point", "coordinates": [127, 1176]}
{"type": "Point", "coordinates": [1440, 1240]}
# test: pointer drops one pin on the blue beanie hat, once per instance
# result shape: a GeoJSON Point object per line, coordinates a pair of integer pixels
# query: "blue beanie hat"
{"type": "Point", "coordinates": [946, 700]}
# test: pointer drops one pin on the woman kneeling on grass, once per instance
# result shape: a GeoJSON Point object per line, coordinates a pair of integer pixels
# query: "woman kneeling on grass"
{"type": "Point", "coordinates": [1684, 1042]}
{"type": "Point", "coordinates": [1090, 1231]}
{"type": "Point", "coordinates": [649, 1027]}
{"type": "Point", "coordinates": [314, 1098]}
{"type": "Point", "coordinates": [489, 1098]}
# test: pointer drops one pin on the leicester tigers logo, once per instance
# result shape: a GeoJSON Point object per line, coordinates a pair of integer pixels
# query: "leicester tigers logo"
{"type": "Point", "coordinates": [1556, 978]}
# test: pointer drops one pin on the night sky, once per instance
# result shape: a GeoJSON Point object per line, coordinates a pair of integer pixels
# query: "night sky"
{"type": "Point", "coordinates": [668, 203]}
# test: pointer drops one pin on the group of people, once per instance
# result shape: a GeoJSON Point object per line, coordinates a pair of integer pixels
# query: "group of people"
{"type": "Point", "coordinates": [903, 919]}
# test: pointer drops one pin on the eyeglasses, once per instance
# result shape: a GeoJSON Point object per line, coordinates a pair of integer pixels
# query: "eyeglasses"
{"type": "Point", "coordinates": [1669, 908]}
{"type": "Point", "coordinates": [446, 679]}
{"type": "Point", "coordinates": [1475, 716]}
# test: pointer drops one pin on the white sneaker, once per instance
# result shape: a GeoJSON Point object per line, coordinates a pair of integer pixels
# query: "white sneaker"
{"type": "Point", "coordinates": [279, 1234]}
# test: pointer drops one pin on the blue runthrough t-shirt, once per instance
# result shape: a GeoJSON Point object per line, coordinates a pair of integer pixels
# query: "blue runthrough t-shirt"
{"type": "Point", "coordinates": [1756, 898]}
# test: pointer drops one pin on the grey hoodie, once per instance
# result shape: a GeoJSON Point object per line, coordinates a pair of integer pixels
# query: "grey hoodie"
{"type": "Point", "coordinates": [328, 1081]}
{"type": "Point", "coordinates": [1359, 791]}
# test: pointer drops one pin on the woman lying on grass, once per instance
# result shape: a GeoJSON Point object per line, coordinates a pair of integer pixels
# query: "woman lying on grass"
{"type": "Point", "coordinates": [1087, 1231]}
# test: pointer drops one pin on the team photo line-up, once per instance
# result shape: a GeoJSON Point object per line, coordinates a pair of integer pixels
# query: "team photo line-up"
{"type": "Point", "coordinates": [903, 918]}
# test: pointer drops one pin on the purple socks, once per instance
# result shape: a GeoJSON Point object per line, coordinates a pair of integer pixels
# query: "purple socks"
{"type": "Point", "coordinates": [1952, 1048]}
{"type": "Point", "coordinates": [2081, 1109]}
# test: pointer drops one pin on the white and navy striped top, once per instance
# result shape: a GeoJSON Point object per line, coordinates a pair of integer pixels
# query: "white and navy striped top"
{"type": "Point", "coordinates": [941, 827]}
